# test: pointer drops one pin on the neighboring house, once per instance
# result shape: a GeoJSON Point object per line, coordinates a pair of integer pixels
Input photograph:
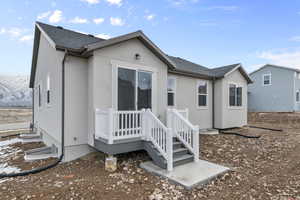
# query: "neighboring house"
{"type": "Point", "coordinates": [275, 89]}
{"type": "Point", "coordinates": [91, 93]}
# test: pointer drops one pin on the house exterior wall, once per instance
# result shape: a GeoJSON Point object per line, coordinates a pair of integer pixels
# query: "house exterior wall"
{"type": "Point", "coordinates": [218, 103]}
{"type": "Point", "coordinates": [234, 116]}
{"type": "Point", "coordinates": [296, 88]}
{"type": "Point", "coordinates": [277, 97]}
{"type": "Point", "coordinates": [186, 97]}
{"type": "Point", "coordinates": [48, 117]}
{"type": "Point", "coordinates": [102, 76]}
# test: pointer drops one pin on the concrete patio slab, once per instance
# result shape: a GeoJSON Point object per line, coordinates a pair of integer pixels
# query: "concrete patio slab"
{"type": "Point", "coordinates": [189, 175]}
{"type": "Point", "coordinates": [209, 132]}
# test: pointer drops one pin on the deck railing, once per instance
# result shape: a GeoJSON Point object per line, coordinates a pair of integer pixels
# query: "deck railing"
{"type": "Point", "coordinates": [114, 125]}
{"type": "Point", "coordinates": [187, 133]}
{"type": "Point", "coordinates": [117, 125]}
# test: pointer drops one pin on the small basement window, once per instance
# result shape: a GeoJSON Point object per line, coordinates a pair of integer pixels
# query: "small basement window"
{"type": "Point", "coordinates": [39, 96]}
{"type": "Point", "coordinates": [235, 95]}
{"type": "Point", "coordinates": [48, 90]}
{"type": "Point", "coordinates": [202, 93]}
{"type": "Point", "coordinates": [171, 91]}
{"type": "Point", "coordinates": [267, 79]}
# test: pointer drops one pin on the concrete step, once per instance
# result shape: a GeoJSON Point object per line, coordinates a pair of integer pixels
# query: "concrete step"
{"type": "Point", "coordinates": [181, 160]}
{"type": "Point", "coordinates": [32, 157]}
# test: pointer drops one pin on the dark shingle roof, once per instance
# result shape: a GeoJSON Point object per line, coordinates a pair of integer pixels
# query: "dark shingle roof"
{"type": "Point", "coordinates": [68, 38]}
{"type": "Point", "coordinates": [187, 66]}
{"type": "Point", "coordinates": [221, 71]}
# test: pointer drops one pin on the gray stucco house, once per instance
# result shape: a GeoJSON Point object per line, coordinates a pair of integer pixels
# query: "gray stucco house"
{"type": "Point", "coordinates": [274, 89]}
{"type": "Point", "coordinates": [124, 94]}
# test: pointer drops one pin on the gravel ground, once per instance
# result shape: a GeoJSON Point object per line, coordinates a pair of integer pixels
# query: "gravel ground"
{"type": "Point", "coordinates": [264, 168]}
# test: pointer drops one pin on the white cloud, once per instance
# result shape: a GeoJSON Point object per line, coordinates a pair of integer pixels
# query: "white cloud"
{"type": "Point", "coordinates": [43, 15]}
{"type": "Point", "coordinates": [295, 39]}
{"type": "Point", "coordinates": [78, 20]}
{"type": "Point", "coordinates": [91, 1]}
{"type": "Point", "coordinates": [182, 2]}
{"type": "Point", "coordinates": [150, 17]}
{"type": "Point", "coordinates": [53, 3]}
{"type": "Point", "coordinates": [56, 16]}
{"type": "Point", "coordinates": [14, 32]}
{"type": "Point", "coordinates": [224, 8]}
{"type": "Point", "coordinates": [115, 21]}
{"type": "Point", "coordinates": [98, 20]}
{"type": "Point", "coordinates": [26, 38]}
{"type": "Point", "coordinates": [115, 2]}
{"type": "Point", "coordinates": [284, 57]}
{"type": "Point", "coordinates": [103, 36]}
{"type": "Point", "coordinates": [2, 30]}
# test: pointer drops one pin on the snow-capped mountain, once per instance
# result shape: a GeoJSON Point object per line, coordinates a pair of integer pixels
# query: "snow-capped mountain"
{"type": "Point", "coordinates": [15, 91]}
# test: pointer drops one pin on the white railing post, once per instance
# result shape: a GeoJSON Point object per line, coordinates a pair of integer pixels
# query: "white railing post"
{"type": "Point", "coordinates": [169, 144]}
{"type": "Point", "coordinates": [196, 143]}
{"type": "Point", "coordinates": [187, 113]}
{"type": "Point", "coordinates": [110, 125]}
{"type": "Point", "coordinates": [144, 124]}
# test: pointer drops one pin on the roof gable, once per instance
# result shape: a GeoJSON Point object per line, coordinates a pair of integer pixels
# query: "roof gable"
{"type": "Point", "coordinates": [275, 66]}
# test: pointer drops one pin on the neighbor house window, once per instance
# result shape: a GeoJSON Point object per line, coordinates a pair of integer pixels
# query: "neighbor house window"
{"type": "Point", "coordinates": [298, 96]}
{"type": "Point", "coordinates": [171, 91]}
{"type": "Point", "coordinates": [39, 96]}
{"type": "Point", "coordinates": [202, 93]}
{"type": "Point", "coordinates": [235, 95]}
{"type": "Point", "coordinates": [48, 90]}
{"type": "Point", "coordinates": [267, 79]}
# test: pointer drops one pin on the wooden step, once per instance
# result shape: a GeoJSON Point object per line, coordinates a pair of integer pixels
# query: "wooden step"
{"type": "Point", "coordinates": [181, 160]}
{"type": "Point", "coordinates": [180, 151]}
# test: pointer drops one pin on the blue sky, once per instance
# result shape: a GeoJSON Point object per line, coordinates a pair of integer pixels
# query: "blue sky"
{"type": "Point", "coordinates": [209, 32]}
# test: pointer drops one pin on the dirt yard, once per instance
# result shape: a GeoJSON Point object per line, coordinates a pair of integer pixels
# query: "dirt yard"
{"type": "Point", "coordinates": [15, 115]}
{"type": "Point", "coordinates": [264, 168]}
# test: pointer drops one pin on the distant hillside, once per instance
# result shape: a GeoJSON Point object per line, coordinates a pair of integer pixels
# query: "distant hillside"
{"type": "Point", "coordinates": [15, 91]}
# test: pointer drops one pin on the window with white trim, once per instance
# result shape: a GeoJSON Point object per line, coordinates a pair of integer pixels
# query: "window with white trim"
{"type": "Point", "coordinates": [48, 90]}
{"type": "Point", "coordinates": [235, 95]}
{"type": "Point", "coordinates": [297, 96]}
{"type": "Point", "coordinates": [267, 79]}
{"type": "Point", "coordinates": [171, 91]}
{"type": "Point", "coordinates": [202, 93]}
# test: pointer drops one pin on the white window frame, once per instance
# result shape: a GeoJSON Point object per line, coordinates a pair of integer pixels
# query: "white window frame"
{"type": "Point", "coordinates": [174, 92]}
{"type": "Point", "coordinates": [48, 88]}
{"type": "Point", "coordinates": [263, 79]}
{"type": "Point", "coordinates": [197, 94]}
{"type": "Point", "coordinates": [236, 86]}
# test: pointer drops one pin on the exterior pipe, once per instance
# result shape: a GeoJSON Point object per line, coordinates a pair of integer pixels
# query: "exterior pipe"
{"type": "Point", "coordinates": [40, 169]}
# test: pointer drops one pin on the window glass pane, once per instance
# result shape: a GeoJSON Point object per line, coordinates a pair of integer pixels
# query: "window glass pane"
{"type": "Point", "coordinates": [39, 96]}
{"type": "Point", "coordinates": [239, 96]}
{"type": "Point", "coordinates": [144, 90]}
{"type": "Point", "coordinates": [126, 89]}
{"type": "Point", "coordinates": [48, 96]}
{"type": "Point", "coordinates": [170, 99]}
{"type": "Point", "coordinates": [297, 96]}
{"type": "Point", "coordinates": [202, 100]}
{"type": "Point", "coordinates": [171, 84]}
{"type": "Point", "coordinates": [202, 87]}
{"type": "Point", "coordinates": [232, 93]}
{"type": "Point", "coordinates": [267, 79]}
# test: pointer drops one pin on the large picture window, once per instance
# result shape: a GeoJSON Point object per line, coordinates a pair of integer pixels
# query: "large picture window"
{"type": "Point", "coordinates": [235, 95]}
{"type": "Point", "coordinates": [171, 91]}
{"type": "Point", "coordinates": [202, 93]}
